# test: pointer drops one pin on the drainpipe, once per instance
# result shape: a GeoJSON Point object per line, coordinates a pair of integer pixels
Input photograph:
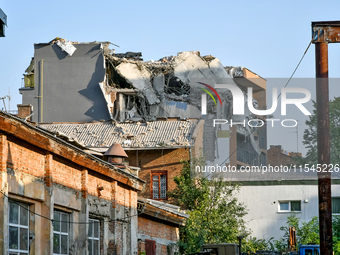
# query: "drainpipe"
{"type": "Point", "coordinates": [41, 90]}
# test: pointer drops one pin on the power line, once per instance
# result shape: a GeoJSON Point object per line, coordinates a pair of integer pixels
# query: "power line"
{"type": "Point", "coordinates": [297, 66]}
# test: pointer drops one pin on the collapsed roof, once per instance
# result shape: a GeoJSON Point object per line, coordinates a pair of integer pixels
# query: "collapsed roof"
{"type": "Point", "coordinates": [125, 90]}
{"type": "Point", "coordinates": [137, 90]}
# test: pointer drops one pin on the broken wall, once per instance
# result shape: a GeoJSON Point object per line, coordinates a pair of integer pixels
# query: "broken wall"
{"type": "Point", "coordinates": [69, 85]}
{"type": "Point", "coordinates": [164, 88]}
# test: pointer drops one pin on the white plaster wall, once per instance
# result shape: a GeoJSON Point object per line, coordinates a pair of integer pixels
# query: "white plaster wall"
{"type": "Point", "coordinates": [263, 217]}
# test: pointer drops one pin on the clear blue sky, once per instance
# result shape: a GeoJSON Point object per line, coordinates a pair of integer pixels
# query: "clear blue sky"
{"type": "Point", "coordinates": [268, 37]}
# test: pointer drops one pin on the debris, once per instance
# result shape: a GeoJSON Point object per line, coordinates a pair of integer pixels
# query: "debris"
{"type": "Point", "coordinates": [66, 46]}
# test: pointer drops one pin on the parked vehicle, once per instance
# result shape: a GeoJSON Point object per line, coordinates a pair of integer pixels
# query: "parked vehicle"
{"type": "Point", "coordinates": [233, 249]}
{"type": "Point", "coordinates": [308, 249]}
{"type": "Point", "coordinates": [219, 249]}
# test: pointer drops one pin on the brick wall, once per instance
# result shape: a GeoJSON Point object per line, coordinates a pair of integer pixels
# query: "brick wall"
{"type": "Point", "coordinates": [25, 158]}
{"type": "Point", "coordinates": [65, 174]}
{"type": "Point", "coordinates": [157, 229]}
{"type": "Point", "coordinates": [33, 166]}
{"type": "Point", "coordinates": [168, 160]}
{"type": "Point", "coordinates": [276, 157]}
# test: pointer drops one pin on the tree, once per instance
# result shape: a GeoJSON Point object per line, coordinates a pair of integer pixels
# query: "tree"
{"type": "Point", "coordinates": [310, 134]}
{"type": "Point", "coordinates": [215, 215]}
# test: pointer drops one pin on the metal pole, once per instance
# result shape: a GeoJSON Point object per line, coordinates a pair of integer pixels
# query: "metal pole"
{"type": "Point", "coordinates": [323, 144]}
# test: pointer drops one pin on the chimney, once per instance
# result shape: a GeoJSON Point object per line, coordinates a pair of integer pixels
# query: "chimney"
{"type": "Point", "coordinates": [116, 155]}
{"type": "Point", "coordinates": [25, 110]}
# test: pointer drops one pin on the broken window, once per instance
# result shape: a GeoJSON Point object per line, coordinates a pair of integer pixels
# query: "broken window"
{"type": "Point", "coordinates": [174, 87]}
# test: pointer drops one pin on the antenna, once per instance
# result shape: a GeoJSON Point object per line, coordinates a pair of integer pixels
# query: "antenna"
{"type": "Point", "coordinates": [9, 98]}
{"type": "Point", "coordinates": [297, 136]}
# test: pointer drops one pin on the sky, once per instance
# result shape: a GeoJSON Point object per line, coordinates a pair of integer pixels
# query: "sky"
{"type": "Point", "coordinates": [267, 37]}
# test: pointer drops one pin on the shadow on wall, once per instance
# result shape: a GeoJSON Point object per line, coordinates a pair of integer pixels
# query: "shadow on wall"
{"type": "Point", "coordinates": [93, 93]}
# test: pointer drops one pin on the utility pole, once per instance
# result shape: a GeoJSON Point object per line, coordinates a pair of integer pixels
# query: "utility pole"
{"type": "Point", "coordinates": [324, 32]}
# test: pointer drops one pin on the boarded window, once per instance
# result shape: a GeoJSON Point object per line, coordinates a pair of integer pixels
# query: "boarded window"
{"type": "Point", "coordinates": [150, 247]}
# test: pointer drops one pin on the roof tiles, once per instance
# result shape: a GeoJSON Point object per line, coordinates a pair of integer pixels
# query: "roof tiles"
{"type": "Point", "coordinates": [130, 135]}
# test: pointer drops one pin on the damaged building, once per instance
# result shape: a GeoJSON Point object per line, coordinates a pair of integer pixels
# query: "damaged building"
{"type": "Point", "coordinates": [91, 97]}
{"type": "Point", "coordinates": [58, 199]}
{"type": "Point", "coordinates": [89, 82]}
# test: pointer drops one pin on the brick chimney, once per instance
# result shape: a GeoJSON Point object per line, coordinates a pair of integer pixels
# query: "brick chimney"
{"type": "Point", "coordinates": [25, 110]}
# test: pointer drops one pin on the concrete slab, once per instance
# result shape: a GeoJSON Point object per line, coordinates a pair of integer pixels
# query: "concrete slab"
{"type": "Point", "coordinates": [66, 197]}
{"type": "Point", "coordinates": [140, 78]}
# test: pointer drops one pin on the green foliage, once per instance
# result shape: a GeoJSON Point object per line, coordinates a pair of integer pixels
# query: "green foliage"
{"type": "Point", "coordinates": [310, 134]}
{"type": "Point", "coordinates": [336, 234]}
{"type": "Point", "coordinates": [251, 245]}
{"type": "Point", "coordinates": [215, 214]}
{"type": "Point", "coordinates": [306, 232]}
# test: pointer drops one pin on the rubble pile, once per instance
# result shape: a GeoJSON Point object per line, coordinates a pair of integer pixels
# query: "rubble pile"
{"type": "Point", "coordinates": [163, 88]}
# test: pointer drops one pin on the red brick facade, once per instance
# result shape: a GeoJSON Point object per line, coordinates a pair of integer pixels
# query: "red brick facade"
{"type": "Point", "coordinates": [48, 174]}
{"type": "Point", "coordinates": [152, 161]}
{"type": "Point", "coordinates": [157, 229]}
{"type": "Point", "coordinates": [277, 157]}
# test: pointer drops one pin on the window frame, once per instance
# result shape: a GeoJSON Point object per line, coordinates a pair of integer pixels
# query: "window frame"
{"type": "Point", "coordinates": [60, 233]}
{"type": "Point", "coordinates": [289, 206]}
{"type": "Point", "coordinates": [159, 173]}
{"type": "Point", "coordinates": [338, 213]}
{"type": "Point", "coordinates": [94, 238]}
{"type": "Point", "coordinates": [19, 226]}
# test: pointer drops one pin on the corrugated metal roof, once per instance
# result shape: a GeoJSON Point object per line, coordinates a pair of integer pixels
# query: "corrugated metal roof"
{"type": "Point", "coordinates": [167, 207]}
{"type": "Point", "coordinates": [130, 135]}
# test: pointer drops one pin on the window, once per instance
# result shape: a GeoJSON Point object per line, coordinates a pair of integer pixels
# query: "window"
{"type": "Point", "coordinates": [18, 228]}
{"type": "Point", "coordinates": [336, 205]}
{"type": "Point", "coordinates": [159, 185]}
{"type": "Point", "coordinates": [289, 206]}
{"type": "Point", "coordinates": [94, 229]}
{"type": "Point", "coordinates": [60, 233]}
